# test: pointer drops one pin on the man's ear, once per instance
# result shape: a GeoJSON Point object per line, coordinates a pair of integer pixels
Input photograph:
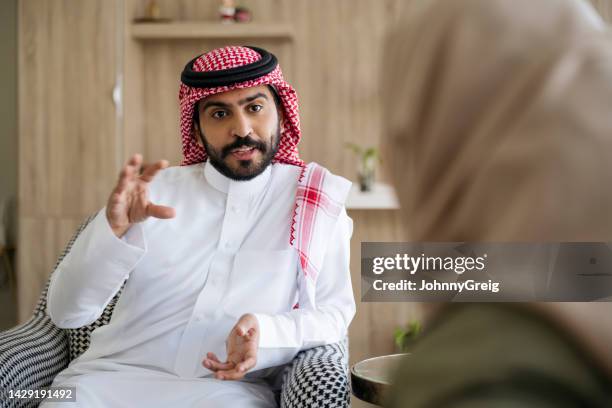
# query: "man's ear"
{"type": "Point", "coordinates": [196, 134]}
{"type": "Point", "coordinates": [196, 124]}
{"type": "Point", "coordinates": [281, 118]}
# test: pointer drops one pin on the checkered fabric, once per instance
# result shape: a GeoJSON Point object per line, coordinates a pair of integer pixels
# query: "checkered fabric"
{"type": "Point", "coordinates": [78, 339]}
{"type": "Point", "coordinates": [318, 377]}
{"type": "Point", "coordinates": [232, 57]}
{"type": "Point", "coordinates": [32, 354]}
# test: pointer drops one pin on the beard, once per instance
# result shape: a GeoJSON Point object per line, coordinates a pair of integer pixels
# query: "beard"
{"type": "Point", "coordinates": [247, 169]}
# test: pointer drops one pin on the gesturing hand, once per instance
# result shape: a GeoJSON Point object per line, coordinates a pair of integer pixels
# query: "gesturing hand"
{"type": "Point", "coordinates": [129, 202]}
{"type": "Point", "coordinates": [241, 344]}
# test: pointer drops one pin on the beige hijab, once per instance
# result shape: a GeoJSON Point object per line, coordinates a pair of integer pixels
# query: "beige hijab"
{"type": "Point", "coordinates": [499, 128]}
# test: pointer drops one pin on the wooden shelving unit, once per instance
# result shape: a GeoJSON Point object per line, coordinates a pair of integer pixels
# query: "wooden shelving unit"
{"type": "Point", "coordinates": [210, 30]}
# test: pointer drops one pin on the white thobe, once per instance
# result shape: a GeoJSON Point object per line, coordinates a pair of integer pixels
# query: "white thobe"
{"type": "Point", "coordinates": [225, 253]}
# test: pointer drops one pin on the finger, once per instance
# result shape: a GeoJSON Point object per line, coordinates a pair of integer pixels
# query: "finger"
{"type": "Point", "coordinates": [122, 182]}
{"type": "Point", "coordinates": [126, 174]}
{"type": "Point", "coordinates": [216, 365]}
{"type": "Point", "coordinates": [246, 365]}
{"type": "Point", "coordinates": [213, 363]}
{"type": "Point", "coordinates": [135, 161]}
{"type": "Point", "coordinates": [240, 330]}
{"type": "Point", "coordinates": [134, 165]}
{"type": "Point", "coordinates": [229, 375]}
{"type": "Point", "coordinates": [129, 169]}
{"type": "Point", "coordinates": [160, 211]}
{"type": "Point", "coordinates": [115, 200]}
{"type": "Point", "coordinates": [150, 171]}
{"type": "Point", "coordinates": [142, 202]}
{"type": "Point", "coordinates": [249, 334]}
{"type": "Point", "coordinates": [212, 356]}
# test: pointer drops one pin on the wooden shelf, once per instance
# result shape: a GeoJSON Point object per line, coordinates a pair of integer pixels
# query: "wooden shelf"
{"type": "Point", "coordinates": [382, 197]}
{"type": "Point", "coordinates": [210, 30]}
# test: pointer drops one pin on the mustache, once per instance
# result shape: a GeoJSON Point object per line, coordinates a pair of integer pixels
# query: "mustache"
{"type": "Point", "coordinates": [243, 142]}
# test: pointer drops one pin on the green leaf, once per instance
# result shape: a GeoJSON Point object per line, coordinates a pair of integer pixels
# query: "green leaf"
{"type": "Point", "coordinates": [399, 338]}
{"type": "Point", "coordinates": [405, 336]}
{"type": "Point", "coordinates": [355, 148]}
{"type": "Point", "coordinates": [371, 152]}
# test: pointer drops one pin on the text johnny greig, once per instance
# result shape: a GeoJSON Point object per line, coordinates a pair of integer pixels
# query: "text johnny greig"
{"type": "Point", "coordinates": [422, 263]}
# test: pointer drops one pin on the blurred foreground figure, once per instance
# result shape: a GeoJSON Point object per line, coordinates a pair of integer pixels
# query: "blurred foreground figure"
{"type": "Point", "coordinates": [499, 129]}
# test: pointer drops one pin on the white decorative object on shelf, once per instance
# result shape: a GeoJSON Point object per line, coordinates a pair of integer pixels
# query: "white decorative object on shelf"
{"type": "Point", "coordinates": [382, 197]}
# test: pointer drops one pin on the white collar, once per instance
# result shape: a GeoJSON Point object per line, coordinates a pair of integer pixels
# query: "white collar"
{"type": "Point", "coordinates": [227, 185]}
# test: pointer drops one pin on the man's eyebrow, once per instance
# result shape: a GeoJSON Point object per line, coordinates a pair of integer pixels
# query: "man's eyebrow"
{"type": "Point", "coordinates": [252, 98]}
{"type": "Point", "coordinates": [208, 104]}
{"type": "Point", "coordinates": [240, 102]}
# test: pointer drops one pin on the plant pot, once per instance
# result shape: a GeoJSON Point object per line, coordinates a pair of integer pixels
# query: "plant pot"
{"type": "Point", "coordinates": [366, 180]}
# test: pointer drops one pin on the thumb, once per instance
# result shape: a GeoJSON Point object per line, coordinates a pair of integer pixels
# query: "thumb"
{"type": "Point", "coordinates": [160, 211]}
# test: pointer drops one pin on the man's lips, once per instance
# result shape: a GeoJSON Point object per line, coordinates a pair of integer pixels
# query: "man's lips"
{"type": "Point", "coordinates": [244, 153]}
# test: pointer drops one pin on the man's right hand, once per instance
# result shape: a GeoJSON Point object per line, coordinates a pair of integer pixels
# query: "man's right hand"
{"type": "Point", "coordinates": [129, 202]}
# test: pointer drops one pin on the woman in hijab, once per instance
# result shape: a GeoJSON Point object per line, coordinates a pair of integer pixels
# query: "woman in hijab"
{"type": "Point", "coordinates": [498, 115]}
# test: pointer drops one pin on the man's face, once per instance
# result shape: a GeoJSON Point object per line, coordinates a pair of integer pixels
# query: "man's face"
{"type": "Point", "coordinates": [240, 130]}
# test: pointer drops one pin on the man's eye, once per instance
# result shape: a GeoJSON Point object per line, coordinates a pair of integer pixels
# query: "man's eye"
{"type": "Point", "coordinates": [219, 114]}
{"type": "Point", "coordinates": [255, 108]}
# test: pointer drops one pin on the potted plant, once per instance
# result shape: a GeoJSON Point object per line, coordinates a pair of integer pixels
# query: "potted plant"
{"type": "Point", "coordinates": [406, 336]}
{"type": "Point", "coordinates": [368, 157]}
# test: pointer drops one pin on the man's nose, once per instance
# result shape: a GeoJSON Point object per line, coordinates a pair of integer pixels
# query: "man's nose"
{"type": "Point", "coordinates": [241, 126]}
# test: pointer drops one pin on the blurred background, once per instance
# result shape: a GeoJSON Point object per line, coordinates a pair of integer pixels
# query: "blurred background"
{"type": "Point", "coordinates": [86, 83]}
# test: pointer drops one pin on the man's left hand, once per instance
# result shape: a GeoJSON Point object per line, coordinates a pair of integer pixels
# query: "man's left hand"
{"type": "Point", "coordinates": [241, 345]}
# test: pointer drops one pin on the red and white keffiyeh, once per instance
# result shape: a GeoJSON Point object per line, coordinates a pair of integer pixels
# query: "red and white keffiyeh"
{"type": "Point", "coordinates": [319, 202]}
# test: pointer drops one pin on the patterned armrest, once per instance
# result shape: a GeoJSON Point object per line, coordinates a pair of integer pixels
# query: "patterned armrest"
{"type": "Point", "coordinates": [318, 377]}
{"type": "Point", "coordinates": [31, 355]}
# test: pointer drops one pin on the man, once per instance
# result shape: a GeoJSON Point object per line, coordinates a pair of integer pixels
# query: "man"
{"type": "Point", "coordinates": [235, 261]}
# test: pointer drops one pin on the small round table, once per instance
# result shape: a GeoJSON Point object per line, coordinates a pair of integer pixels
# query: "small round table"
{"type": "Point", "coordinates": [371, 378]}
